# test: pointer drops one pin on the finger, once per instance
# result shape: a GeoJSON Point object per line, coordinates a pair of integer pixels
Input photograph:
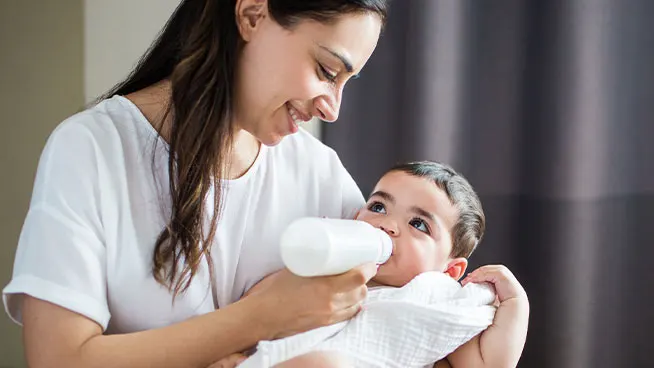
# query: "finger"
{"type": "Point", "coordinates": [239, 360]}
{"type": "Point", "coordinates": [238, 357]}
{"type": "Point", "coordinates": [489, 273]}
{"type": "Point", "coordinates": [485, 269]}
{"type": "Point", "coordinates": [486, 275]}
{"type": "Point", "coordinates": [499, 274]}
{"type": "Point", "coordinates": [351, 297]}
{"type": "Point", "coordinates": [482, 274]}
{"type": "Point", "coordinates": [505, 283]}
{"type": "Point", "coordinates": [368, 271]}
{"type": "Point", "coordinates": [347, 313]}
{"type": "Point", "coordinates": [474, 275]}
{"type": "Point", "coordinates": [230, 361]}
{"type": "Point", "coordinates": [355, 277]}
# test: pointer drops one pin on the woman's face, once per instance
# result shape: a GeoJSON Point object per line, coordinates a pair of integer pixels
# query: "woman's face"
{"type": "Point", "coordinates": [288, 76]}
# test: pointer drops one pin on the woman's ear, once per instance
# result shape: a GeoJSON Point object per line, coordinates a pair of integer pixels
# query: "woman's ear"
{"type": "Point", "coordinates": [456, 267]}
{"type": "Point", "coordinates": [249, 14]}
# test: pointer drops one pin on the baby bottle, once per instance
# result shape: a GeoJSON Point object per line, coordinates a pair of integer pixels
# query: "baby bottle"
{"type": "Point", "coordinates": [320, 246]}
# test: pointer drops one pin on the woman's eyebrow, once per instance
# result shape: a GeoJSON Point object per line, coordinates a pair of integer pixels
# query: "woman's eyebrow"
{"type": "Point", "coordinates": [346, 63]}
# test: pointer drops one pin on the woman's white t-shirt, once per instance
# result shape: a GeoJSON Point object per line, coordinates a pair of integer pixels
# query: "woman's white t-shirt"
{"type": "Point", "coordinates": [101, 199]}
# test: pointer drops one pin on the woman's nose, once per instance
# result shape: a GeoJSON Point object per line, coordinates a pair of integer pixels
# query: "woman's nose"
{"type": "Point", "coordinates": [327, 108]}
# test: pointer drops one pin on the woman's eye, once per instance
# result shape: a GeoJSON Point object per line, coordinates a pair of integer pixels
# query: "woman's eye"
{"type": "Point", "coordinates": [377, 207]}
{"type": "Point", "coordinates": [327, 74]}
{"type": "Point", "coordinates": [420, 225]}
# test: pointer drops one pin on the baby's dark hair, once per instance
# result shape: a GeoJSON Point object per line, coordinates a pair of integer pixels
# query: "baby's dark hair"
{"type": "Point", "coordinates": [469, 227]}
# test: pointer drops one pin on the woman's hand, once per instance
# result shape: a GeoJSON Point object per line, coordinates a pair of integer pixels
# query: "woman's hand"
{"type": "Point", "coordinates": [230, 361]}
{"type": "Point", "coordinates": [291, 304]}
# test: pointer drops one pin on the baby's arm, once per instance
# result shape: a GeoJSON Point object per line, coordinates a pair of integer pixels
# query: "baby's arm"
{"type": "Point", "coordinates": [501, 344]}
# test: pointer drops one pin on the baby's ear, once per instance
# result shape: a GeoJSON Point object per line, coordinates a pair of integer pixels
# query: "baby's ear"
{"type": "Point", "coordinates": [456, 267]}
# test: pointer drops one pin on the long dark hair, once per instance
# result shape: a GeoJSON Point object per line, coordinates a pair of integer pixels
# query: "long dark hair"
{"type": "Point", "coordinates": [198, 50]}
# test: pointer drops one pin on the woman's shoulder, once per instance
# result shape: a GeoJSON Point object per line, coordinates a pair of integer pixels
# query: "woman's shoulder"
{"type": "Point", "coordinates": [305, 159]}
{"type": "Point", "coordinates": [111, 124]}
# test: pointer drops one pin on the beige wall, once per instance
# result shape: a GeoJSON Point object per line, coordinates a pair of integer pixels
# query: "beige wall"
{"type": "Point", "coordinates": [117, 32]}
{"type": "Point", "coordinates": [55, 57]}
{"type": "Point", "coordinates": [41, 71]}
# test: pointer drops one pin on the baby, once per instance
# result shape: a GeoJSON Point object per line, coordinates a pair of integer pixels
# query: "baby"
{"type": "Point", "coordinates": [436, 221]}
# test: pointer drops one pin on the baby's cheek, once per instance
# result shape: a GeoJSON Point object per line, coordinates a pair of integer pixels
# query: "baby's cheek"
{"type": "Point", "coordinates": [412, 268]}
{"type": "Point", "coordinates": [409, 261]}
{"type": "Point", "coordinates": [421, 266]}
{"type": "Point", "coordinates": [362, 215]}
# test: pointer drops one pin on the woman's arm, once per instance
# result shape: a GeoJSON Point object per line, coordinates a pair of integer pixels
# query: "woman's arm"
{"type": "Point", "coordinates": [442, 364]}
{"type": "Point", "coordinates": [57, 337]}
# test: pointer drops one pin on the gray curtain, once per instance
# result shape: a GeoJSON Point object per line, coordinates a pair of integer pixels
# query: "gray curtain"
{"type": "Point", "coordinates": [548, 108]}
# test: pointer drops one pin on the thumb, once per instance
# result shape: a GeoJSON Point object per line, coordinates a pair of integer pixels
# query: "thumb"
{"type": "Point", "coordinates": [369, 270]}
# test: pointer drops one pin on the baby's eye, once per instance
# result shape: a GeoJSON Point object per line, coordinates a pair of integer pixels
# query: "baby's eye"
{"type": "Point", "coordinates": [420, 224]}
{"type": "Point", "coordinates": [377, 207]}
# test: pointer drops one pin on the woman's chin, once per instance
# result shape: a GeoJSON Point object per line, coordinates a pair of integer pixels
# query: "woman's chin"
{"type": "Point", "coordinates": [272, 140]}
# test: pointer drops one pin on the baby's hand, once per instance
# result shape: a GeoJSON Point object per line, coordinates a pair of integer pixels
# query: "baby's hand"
{"type": "Point", "coordinates": [506, 285]}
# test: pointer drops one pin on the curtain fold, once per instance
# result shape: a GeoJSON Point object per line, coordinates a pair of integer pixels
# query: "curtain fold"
{"type": "Point", "coordinates": [547, 107]}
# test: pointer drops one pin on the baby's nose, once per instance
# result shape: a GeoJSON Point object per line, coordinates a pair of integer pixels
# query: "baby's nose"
{"type": "Point", "coordinates": [389, 229]}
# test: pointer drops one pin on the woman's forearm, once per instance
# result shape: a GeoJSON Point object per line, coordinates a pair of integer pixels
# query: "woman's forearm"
{"type": "Point", "coordinates": [55, 336]}
{"type": "Point", "coordinates": [197, 342]}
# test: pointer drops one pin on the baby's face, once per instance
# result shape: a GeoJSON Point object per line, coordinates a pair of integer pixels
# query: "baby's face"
{"type": "Point", "coordinates": [418, 216]}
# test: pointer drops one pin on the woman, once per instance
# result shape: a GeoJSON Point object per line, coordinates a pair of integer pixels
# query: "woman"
{"type": "Point", "coordinates": [154, 210]}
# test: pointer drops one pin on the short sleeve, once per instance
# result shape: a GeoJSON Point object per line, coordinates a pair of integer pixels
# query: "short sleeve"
{"type": "Point", "coordinates": [353, 200]}
{"type": "Point", "coordinates": [61, 255]}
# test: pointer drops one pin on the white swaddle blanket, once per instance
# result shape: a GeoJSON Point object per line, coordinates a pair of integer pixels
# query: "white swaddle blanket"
{"type": "Point", "coordinates": [412, 326]}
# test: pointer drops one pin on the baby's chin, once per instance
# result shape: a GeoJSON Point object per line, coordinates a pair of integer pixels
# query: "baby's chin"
{"type": "Point", "coordinates": [390, 277]}
{"type": "Point", "coordinates": [394, 276]}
